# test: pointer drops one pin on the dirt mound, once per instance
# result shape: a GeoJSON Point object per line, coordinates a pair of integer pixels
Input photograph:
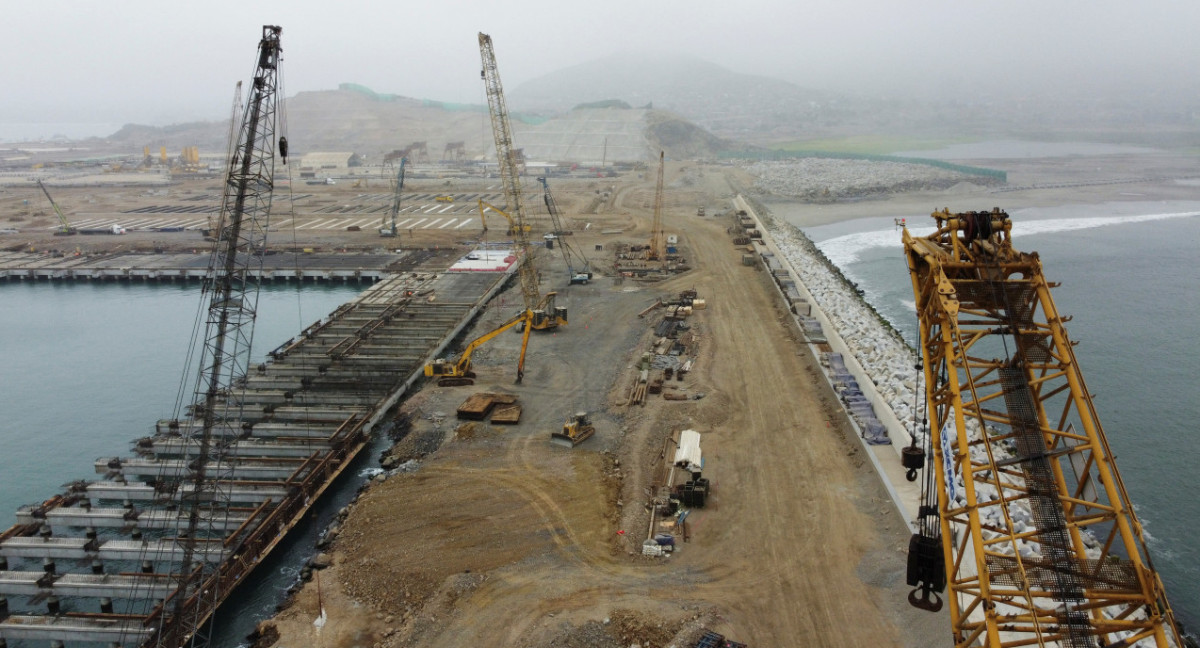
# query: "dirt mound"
{"type": "Point", "coordinates": [681, 139]}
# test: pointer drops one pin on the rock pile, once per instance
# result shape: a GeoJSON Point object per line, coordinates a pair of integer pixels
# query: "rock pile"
{"type": "Point", "coordinates": [830, 180]}
{"type": "Point", "coordinates": [888, 361]}
{"type": "Point", "coordinates": [891, 366]}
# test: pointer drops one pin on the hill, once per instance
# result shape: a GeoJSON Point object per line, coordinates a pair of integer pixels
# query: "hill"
{"type": "Point", "coordinates": [354, 118]}
{"type": "Point", "coordinates": [727, 103]}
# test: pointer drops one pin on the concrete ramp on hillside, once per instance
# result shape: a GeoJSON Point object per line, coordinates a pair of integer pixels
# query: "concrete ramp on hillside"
{"type": "Point", "coordinates": [588, 136]}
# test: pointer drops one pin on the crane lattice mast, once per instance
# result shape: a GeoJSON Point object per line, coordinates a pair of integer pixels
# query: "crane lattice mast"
{"type": "Point", "coordinates": [232, 295]}
{"type": "Point", "coordinates": [1040, 545]}
{"type": "Point", "coordinates": [507, 157]}
{"type": "Point", "coordinates": [541, 312]}
{"type": "Point", "coordinates": [384, 228]}
{"type": "Point", "coordinates": [657, 240]}
{"type": "Point", "coordinates": [64, 225]}
{"type": "Point", "coordinates": [584, 273]}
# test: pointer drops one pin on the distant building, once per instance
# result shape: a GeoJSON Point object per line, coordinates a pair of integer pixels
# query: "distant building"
{"type": "Point", "coordinates": [327, 160]}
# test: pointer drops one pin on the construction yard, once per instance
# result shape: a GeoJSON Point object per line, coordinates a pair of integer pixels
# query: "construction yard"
{"type": "Point", "coordinates": [488, 534]}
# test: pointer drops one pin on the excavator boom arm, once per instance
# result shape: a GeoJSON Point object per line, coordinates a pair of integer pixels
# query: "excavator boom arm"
{"type": "Point", "coordinates": [485, 205]}
{"type": "Point", "coordinates": [464, 361]}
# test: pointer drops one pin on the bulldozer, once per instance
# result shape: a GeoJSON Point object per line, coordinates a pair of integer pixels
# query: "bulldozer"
{"type": "Point", "coordinates": [576, 430]}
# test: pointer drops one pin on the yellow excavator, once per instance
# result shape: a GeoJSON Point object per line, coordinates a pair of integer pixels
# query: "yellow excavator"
{"type": "Point", "coordinates": [451, 374]}
{"type": "Point", "coordinates": [512, 225]}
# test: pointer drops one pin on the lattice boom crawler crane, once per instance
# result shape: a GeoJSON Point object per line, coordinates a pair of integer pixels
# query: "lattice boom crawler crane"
{"type": "Point", "coordinates": [541, 311]}
{"type": "Point", "coordinates": [1039, 543]}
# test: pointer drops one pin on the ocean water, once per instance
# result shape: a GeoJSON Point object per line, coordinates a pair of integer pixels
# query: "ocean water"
{"type": "Point", "coordinates": [87, 368]}
{"type": "Point", "coordinates": [1130, 275]}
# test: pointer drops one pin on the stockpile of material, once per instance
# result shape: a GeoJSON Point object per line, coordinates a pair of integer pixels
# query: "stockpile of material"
{"type": "Point", "coordinates": [672, 352]}
{"type": "Point", "coordinates": [827, 180]}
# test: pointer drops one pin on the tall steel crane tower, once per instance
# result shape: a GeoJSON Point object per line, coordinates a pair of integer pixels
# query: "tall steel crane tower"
{"type": "Point", "coordinates": [577, 273]}
{"type": "Point", "coordinates": [390, 230]}
{"type": "Point", "coordinates": [232, 296]}
{"type": "Point", "coordinates": [1024, 516]}
{"type": "Point", "coordinates": [64, 226]}
{"type": "Point", "coordinates": [541, 312]}
{"type": "Point", "coordinates": [658, 242]}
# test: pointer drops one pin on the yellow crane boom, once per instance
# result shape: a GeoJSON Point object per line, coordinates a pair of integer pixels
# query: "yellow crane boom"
{"type": "Point", "coordinates": [1040, 544]}
{"type": "Point", "coordinates": [658, 242]}
{"type": "Point", "coordinates": [541, 312]}
{"type": "Point", "coordinates": [506, 156]}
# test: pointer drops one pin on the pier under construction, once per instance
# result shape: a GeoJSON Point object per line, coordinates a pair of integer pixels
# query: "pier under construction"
{"type": "Point", "coordinates": [146, 554]}
{"type": "Point", "coordinates": [99, 562]}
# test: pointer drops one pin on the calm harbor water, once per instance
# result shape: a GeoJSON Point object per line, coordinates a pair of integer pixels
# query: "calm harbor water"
{"type": "Point", "coordinates": [89, 367]}
{"type": "Point", "coordinates": [1130, 276]}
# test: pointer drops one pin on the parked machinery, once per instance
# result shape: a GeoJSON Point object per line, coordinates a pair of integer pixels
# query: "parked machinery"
{"type": "Point", "coordinates": [575, 430]}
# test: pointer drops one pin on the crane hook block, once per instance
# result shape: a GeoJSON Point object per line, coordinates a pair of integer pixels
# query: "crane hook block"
{"type": "Point", "coordinates": [913, 459]}
{"type": "Point", "coordinates": [283, 149]}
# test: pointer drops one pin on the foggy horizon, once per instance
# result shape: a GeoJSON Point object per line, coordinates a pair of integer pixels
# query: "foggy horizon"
{"type": "Point", "coordinates": [159, 64]}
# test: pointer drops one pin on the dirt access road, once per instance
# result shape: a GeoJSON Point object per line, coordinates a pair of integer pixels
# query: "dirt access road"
{"type": "Point", "coordinates": [502, 539]}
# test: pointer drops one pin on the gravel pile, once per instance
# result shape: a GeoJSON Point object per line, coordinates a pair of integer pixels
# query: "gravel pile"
{"type": "Point", "coordinates": [830, 180]}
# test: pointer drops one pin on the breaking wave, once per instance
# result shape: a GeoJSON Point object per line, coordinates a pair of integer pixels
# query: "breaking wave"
{"type": "Point", "coordinates": [845, 250]}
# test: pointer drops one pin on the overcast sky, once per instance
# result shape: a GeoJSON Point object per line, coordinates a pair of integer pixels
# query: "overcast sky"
{"type": "Point", "coordinates": [163, 62]}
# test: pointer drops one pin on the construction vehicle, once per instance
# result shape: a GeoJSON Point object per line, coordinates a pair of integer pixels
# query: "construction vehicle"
{"type": "Point", "coordinates": [656, 251]}
{"type": "Point", "coordinates": [512, 225]}
{"type": "Point", "coordinates": [64, 226]}
{"type": "Point", "coordinates": [451, 374]}
{"type": "Point", "coordinates": [541, 311]}
{"type": "Point", "coordinates": [577, 273]}
{"type": "Point", "coordinates": [576, 430]}
{"type": "Point", "coordinates": [387, 229]}
{"type": "Point", "coordinates": [444, 199]}
{"type": "Point", "coordinates": [1023, 513]}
